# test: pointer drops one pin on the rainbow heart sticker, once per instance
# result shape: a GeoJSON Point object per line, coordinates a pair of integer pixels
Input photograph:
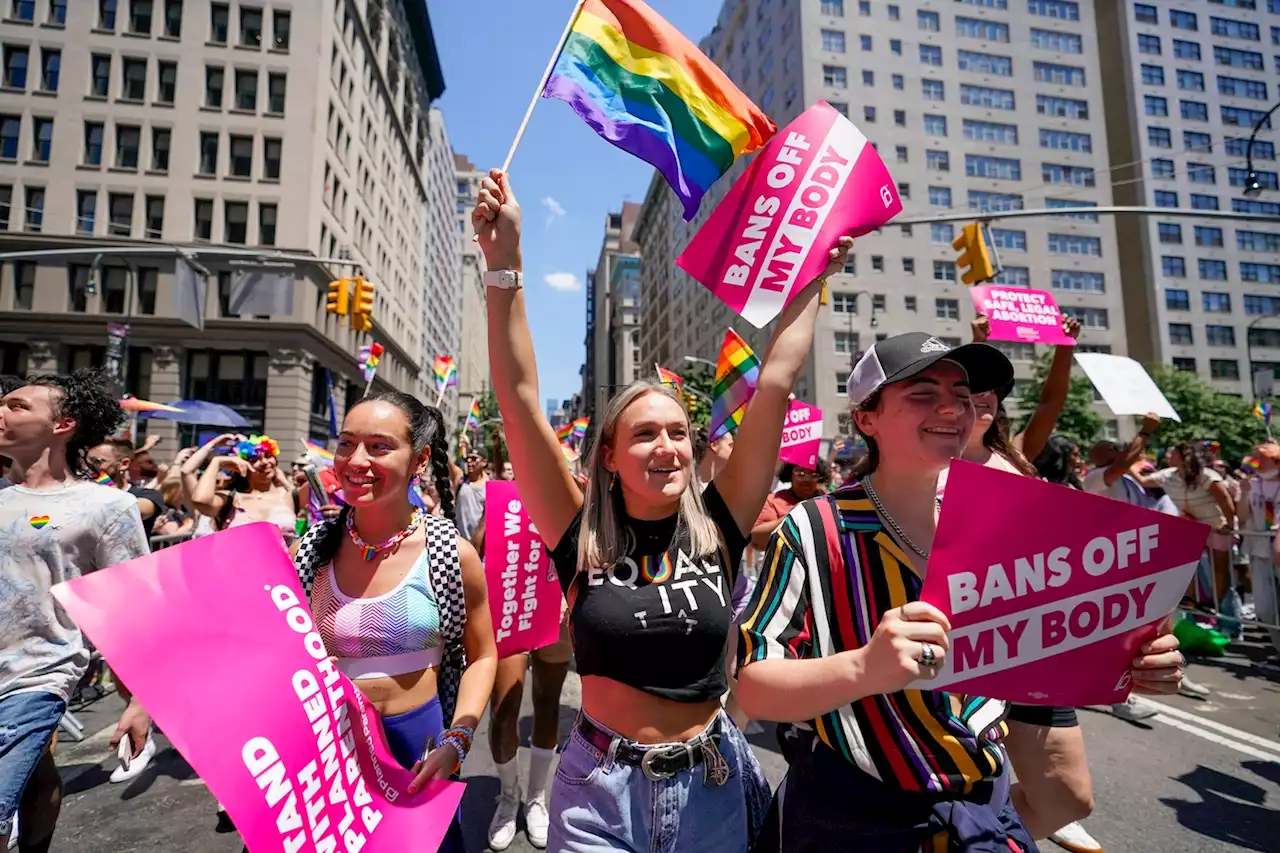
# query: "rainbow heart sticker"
{"type": "Point", "coordinates": [39, 521]}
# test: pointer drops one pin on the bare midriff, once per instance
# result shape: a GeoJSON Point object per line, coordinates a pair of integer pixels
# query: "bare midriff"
{"type": "Point", "coordinates": [643, 717]}
{"type": "Point", "coordinates": [396, 694]}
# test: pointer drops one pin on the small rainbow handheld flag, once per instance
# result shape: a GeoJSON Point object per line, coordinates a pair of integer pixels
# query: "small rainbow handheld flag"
{"type": "Point", "coordinates": [1249, 465]}
{"type": "Point", "coordinates": [737, 371]}
{"type": "Point", "coordinates": [570, 455]}
{"type": "Point", "coordinates": [320, 455]}
{"type": "Point", "coordinates": [446, 370]}
{"type": "Point", "coordinates": [564, 433]}
{"type": "Point", "coordinates": [103, 479]}
{"type": "Point", "coordinates": [669, 378]}
{"type": "Point", "coordinates": [1262, 410]}
{"type": "Point", "coordinates": [369, 355]}
{"type": "Point", "coordinates": [580, 427]}
{"type": "Point", "coordinates": [473, 417]}
{"type": "Point", "coordinates": [647, 89]}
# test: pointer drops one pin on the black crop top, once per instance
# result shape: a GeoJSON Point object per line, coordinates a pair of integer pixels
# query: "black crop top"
{"type": "Point", "coordinates": [659, 621]}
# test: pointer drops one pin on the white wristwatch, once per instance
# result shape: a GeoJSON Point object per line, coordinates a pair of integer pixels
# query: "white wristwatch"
{"type": "Point", "coordinates": [505, 279]}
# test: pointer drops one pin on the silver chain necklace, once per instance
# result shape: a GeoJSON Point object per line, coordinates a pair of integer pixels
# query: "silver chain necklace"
{"type": "Point", "coordinates": [884, 513]}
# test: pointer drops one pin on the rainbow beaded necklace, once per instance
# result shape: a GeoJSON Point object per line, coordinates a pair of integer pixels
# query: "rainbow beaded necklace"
{"type": "Point", "coordinates": [367, 551]}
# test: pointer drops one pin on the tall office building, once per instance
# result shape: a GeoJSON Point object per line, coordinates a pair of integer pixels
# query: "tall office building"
{"type": "Point", "coordinates": [473, 355]}
{"type": "Point", "coordinates": [443, 303]}
{"type": "Point", "coordinates": [1186, 82]}
{"type": "Point", "coordinates": [974, 106]}
{"type": "Point", "coordinates": [210, 126]}
{"type": "Point", "coordinates": [612, 339]}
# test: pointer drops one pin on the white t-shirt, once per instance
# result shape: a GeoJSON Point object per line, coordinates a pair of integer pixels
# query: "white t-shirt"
{"type": "Point", "coordinates": [1123, 488]}
{"type": "Point", "coordinates": [995, 461]}
{"type": "Point", "coordinates": [1261, 494]}
{"type": "Point", "coordinates": [1194, 500]}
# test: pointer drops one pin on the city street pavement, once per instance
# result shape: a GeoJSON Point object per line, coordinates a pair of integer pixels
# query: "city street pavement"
{"type": "Point", "coordinates": [1201, 777]}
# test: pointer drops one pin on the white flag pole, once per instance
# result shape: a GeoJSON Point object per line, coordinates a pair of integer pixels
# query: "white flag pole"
{"type": "Point", "coordinates": [542, 84]}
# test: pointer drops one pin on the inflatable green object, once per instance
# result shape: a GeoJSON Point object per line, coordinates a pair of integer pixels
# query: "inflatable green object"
{"type": "Point", "coordinates": [1197, 639]}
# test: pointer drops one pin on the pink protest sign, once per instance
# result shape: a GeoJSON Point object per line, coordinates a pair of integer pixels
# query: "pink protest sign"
{"type": "Point", "coordinates": [801, 435]}
{"type": "Point", "coordinates": [1050, 591]}
{"type": "Point", "coordinates": [524, 593]}
{"type": "Point", "coordinates": [1020, 314]}
{"type": "Point", "coordinates": [229, 664]}
{"type": "Point", "coordinates": [816, 181]}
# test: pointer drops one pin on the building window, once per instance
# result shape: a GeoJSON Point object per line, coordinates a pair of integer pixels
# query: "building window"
{"type": "Point", "coordinates": [1066, 10]}
{"type": "Point", "coordinates": [1220, 336]}
{"type": "Point", "coordinates": [154, 229]}
{"type": "Point", "coordinates": [1145, 14]}
{"type": "Point", "coordinates": [41, 139]}
{"type": "Point", "coordinates": [35, 208]}
{"type": "Point", "coordinates": [1211, 270]}
{"type": "Point", "coordinates": [58, 12]}
{"type": "Point", "coordinates": [984, 201]}
{"type": "Point", "coordinates": [1180, 20]}
{"type": "Point", "coordinates": [1173, 267]}
{"type": "Point", "coordinates": [173, 18]}
{"type": "Point", "coordinates": [1155, 106]}
{"type": "Point", "coordinates": [1185, 364]}
{"type": "Point", "coordinates": [864, 41]}
{"type": "Point", "coordinates": [946, 309]}
{"type": "Point", "coordinates": [275, 93]}
{"type": "Point", "coordinates": [128, 143]}
{"type": "Point", "coordinates": [1152, 75]}
{"type": "Point", "coordinates": [982, 29]}
{"type": "Point", "coordinates": [1081, 282]}
{"type": "Point", "coordinates": [120, 213]}
{"type": "Point", "coordinates": [6, 205]}
{"type": "Point", "coordinates": [935, 125]}
{"type": "Point", "coordinates": [1201, 202]}
{"type": "Point", "coordinates": [933, 90]}
{"type": "Point", "coordinates": [242, 156]}
{"type": "Point", "coordinates": [984, 63]}
{"type": "Point", "coordinates": [909, 302]}
{"type": "Point", "coordinates": [1212, 237]}
{"type": "Point", "coordinates": [844, 303]}
{"type": "Point", "coordinates": [869, 114]}
{"type": "Point", "coordinates": [895, 45]}
{"type": "Point", "coordinates": [246, 89]}
{"type": "Point", "coordinates": [988, 131]}
{"type": "Point", "coordinates": [1196, 141]}
{"type": "Point", "coordinates": [250, 27]}
{"type": "Point", "coordinates": [236, 227]}
{"type": "Point", "coordinates": [928, 21]}
{"type": "Point", "coordinates": [1159, 137]}
{"type": "Point", "coordinates": [835, 76]}
{"type": "Point", "coordinates": [1074, 244]}
{"type": "Point", "coordinates": [833, 41]}
{"type": "Point", "coordinates": [208, 153]}
{"type": "Point", "coordinates": [1054, 173]}
{"type": "Point", "coordinates": [1194, 110]}
{"type": "Point", "coordinates": [1166, 198]}
{"type": "Point", "coordinates": [140, 17]}
{"type": "Point", "coordinates": [1218, 303]}
{"type": "Point", "coordinates": [1075, 205]}
{"type": "Point", "coordinates": [50, 69]}
{"type": "Point", "coordinates": [24, 286]}
{"type": "Point", "coordinates": [940, 196]}
{"type": "Point", "coordinates": [1224, 368]}
{"type": "Point", "coordinates": [995, 168]}
{"type": "Point", "coordinates": [107, 14]}
{"type": "Point", "coordinates": [1063, 140]}
{"type": "Point", "coordinates": [213, 78]}
{"type": "Point", "coordinates": [900, 118]}
{"type": "Point", "coordinates": [982, 96]}
{"type": "Point", "coordinates": [22, 10]}
{"type": "Point", "coordinates": [937, 161]}
{"type": "Point", "coordinates": [842, 383]}
{"type": "Point", "coordinates": [100, 78]}
{"type": "Point", "coordinates": [15, 66]}
{"type": "Point", "coordinates": [266, 224]}
{"type": "Point", "coordinates": [1061, 75]}
{"type": "Point", "coordinates": [1235, 58]}
{"type": "Point", "coordinates": [86, 210]}
{"type": "Point", "coordinates": [1191, 81]}
{"type": "Point", "coordinates": [944, 271]}
{"type": "Point", "coordinates": [834, 8]}
{"type": "Point", "coordinates": [167, 74]}
{"type": "Point", "coordinates": [1177, 300]}
{"type": "Point", "coordinates": [219, 19]}
{"type": "Point", "coordinates": [1008, 239]}
{"type": "Point", "coordinates": [280, 26]}
{"type": "Point", "coordinates": [901, 152]}
{"type": "Point", "coordinates": [1092, 318]}
{"type": "Point", "coordinates": [271, 148]}
{"type": "Point", "coordinates": [1148, 44]}
{"type": "Point", "coordinates": [1048, 105]}
{"type": "Point", "coordinates": [1062, 42]}
{"type": "Point", "coordinates": [1170, 233]}
{"type": "Point", "coordinates": [1235, 29]}
{"type": "Point", "coordinates": [10, 128]}
{"type": "Point", "coordinates": [1255, 241]}
{"type": "Point", "coordinates": [93, 133]}
{"type": "Point", "coordinates": [931, 54]}
{"type": "Point", "coordinates": [1263, 273]}
{"type": "Point", "coordinates": [1186, 50]}
{"type": "Point", "coordinates": [160, 138]}
{"type": "Point", "coordinates": [1201, 173]}
{"type": "Point", "coordinates": [941, 233]}
{"type": "Point", "coordinates": [203, 220]}
{"type": "Point", "coordinates": [909, 265]}
{"type": "Point", "coordinates": [133, 83]}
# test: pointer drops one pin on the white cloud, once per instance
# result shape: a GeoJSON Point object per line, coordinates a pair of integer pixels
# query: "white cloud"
{"type": "Point", "coordinates": [554, 209]}
{"type": "Point", "coordinates": [563, 281]}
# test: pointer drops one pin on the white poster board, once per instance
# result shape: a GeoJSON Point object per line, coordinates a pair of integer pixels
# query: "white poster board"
{"type": "Point", "coordinates": [1125, 386]}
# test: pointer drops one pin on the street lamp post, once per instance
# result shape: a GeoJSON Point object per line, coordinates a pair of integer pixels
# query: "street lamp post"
{"type": "Point", "coordinates": [1252, 187]}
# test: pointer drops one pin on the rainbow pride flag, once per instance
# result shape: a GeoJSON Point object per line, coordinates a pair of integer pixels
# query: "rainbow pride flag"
{"type": "Point", "coordinates": [737, 370]}
{"type": "Point", "coordinates": [318, 453]}
{"type": "Point", "coordinates": [565, 432]}
{"type": "Point", "coordinates": [669, 377]}
{"type": "Point", "coordinates": [1263, 410]}
{"type": "Point", "coordinates": [580, 427]}
{"type": "Point", "coordinates": [369, 355]}
{"type": "Point", "coordinates": [647, 89]}
{"type": "Point", "coordinates": [473, 417]}
{"type": "Point", "coordinates": [446, 370]}
{"type": "Point", "coordinates": [103, 479]}
{"type": "Point", "coordinates": [570, 455]}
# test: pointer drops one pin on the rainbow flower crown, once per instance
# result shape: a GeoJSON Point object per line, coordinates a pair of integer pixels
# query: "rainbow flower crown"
{"type": "Point", "coordinates": [256, 447]}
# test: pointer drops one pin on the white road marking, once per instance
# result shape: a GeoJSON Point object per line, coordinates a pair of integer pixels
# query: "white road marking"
{"type": "Point", "coordinates": [1212, 730]}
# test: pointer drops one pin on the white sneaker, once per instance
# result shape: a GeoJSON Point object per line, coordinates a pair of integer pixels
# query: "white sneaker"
{"type": "Point", "coordinates": [1073, 837]}
{"type": "Point", "coordinates": [502, 829]}
{"type": "Point", "coordinates": [133, 767]}
{"type": "Point", "coordinates": [1131, 712]}
{"type": "Point", "coordinates": [536, 823]}
{"type": "Point", "coordinates": [1192, 689]}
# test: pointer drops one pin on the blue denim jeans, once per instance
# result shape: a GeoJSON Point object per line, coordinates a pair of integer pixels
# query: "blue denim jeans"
{"type": "Point", "coordinates": [27, 724]}
{"type": "Point", "coordinates": [598, 804]}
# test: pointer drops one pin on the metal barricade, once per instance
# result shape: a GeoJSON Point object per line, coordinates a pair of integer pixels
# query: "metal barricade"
{"type": "Point", "coordinates": [168, 540]}
{"type": "Point", "coordinates": [1273, 578]}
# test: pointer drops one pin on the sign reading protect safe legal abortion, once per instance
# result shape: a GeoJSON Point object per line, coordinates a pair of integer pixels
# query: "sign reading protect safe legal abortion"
{"type": "Point", "coordinates": [524, 594]}
{"type": "Point", "coordinates": [817, 180]}
{"type": "Point", "coordinates": [1050, 591]}
{"type": "Point", "coordinates": [232, 668]}
{"type": "Point", "coordinates": [802, 435]}
{"type": "Point", "coordinates": [1020, 314]}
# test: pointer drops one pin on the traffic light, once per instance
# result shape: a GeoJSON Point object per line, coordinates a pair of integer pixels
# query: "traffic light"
{"type": "Point", "coordinates": [364, 297]}
{"type": "Point", "coordinates": [339, 301]}
{"type": "Point", "coordinates": [977, 258]}
{"type": "Point", "coordinates": [361, 323]}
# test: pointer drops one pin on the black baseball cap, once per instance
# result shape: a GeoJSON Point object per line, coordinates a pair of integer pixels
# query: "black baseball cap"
{"type": "Point", "coordinates": [903, 356]}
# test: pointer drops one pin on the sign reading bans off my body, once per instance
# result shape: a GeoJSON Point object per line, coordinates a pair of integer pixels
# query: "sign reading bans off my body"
{"type": "Point", "coordinates": [817, 180]}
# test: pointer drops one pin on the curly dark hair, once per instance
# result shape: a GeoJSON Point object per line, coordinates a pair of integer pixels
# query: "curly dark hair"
{"type": "Point", "coordinates": [426, 430]}
{"type": "Point", "coordinates": [1055, 462]}
{"type": "Point", "coordinates": [823, 470]}
{"type": "Point", "coordinates": [9, 382]}
{"type": "Point", "coordinates": [87, 397]}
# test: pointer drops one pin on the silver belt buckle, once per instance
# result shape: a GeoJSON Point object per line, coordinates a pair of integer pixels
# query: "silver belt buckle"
{"type": "Point", "coordinates": [667, 751]}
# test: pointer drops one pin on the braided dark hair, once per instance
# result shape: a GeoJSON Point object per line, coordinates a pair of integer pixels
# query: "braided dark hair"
{"type": "Point", "coordinates": [426, 431]}
{"type": "Point", "coordinates": [87, 398]}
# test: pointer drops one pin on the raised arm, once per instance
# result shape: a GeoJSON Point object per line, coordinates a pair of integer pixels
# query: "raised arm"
{"type": "Point", "coordinates": [744, 483]}
{"type": "Point", "coordinates": [546, 484]}
{"type": "Point", "coordinates": [1133, 452]}
{"type": "Point", "coordinates": [1053, 395]}
{"type": "Point", "coordinates": [202, 494]}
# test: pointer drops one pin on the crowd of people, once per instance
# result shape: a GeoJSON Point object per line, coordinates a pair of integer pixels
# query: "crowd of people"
{"type": "Point", "coordinates": [699, 580]}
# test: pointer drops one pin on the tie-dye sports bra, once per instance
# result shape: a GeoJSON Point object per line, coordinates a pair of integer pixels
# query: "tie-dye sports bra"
{"type": "Point", "coordinates": [383, 635]}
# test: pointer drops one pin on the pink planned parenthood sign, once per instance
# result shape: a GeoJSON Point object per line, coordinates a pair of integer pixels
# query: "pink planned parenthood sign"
{"type": "Point", "coordinates": [524, 593]}
{"type": "Point", "coordinates": [816, 181]}
{"type": "Point", "coordinates": [801, 435]}
{"type": "Point", "coordinates": [227, 661]}
{"type": "Point", "coordinates": [1050, 591]}
{"type": "Point", "coordinates": [1020, 314]}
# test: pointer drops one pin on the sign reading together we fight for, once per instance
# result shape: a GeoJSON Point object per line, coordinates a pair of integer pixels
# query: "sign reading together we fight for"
{"type": "Point", "coordinates": [524, 594]}
{"type": "Point", "coordinates": [817, 180]}
{"type": "Point", "coordinates": [1050, 591]}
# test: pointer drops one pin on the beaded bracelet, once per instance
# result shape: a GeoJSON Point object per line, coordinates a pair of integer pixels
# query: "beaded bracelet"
{"type": "Point", "coordinates": [460, 738]}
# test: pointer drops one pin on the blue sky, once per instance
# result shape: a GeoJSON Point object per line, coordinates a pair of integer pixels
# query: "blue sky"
{"type": "Point", "coordinates": [566, 178]}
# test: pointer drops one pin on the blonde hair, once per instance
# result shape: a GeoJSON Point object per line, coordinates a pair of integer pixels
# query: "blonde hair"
{"type": "Point", "coordinates": [603, 540]}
